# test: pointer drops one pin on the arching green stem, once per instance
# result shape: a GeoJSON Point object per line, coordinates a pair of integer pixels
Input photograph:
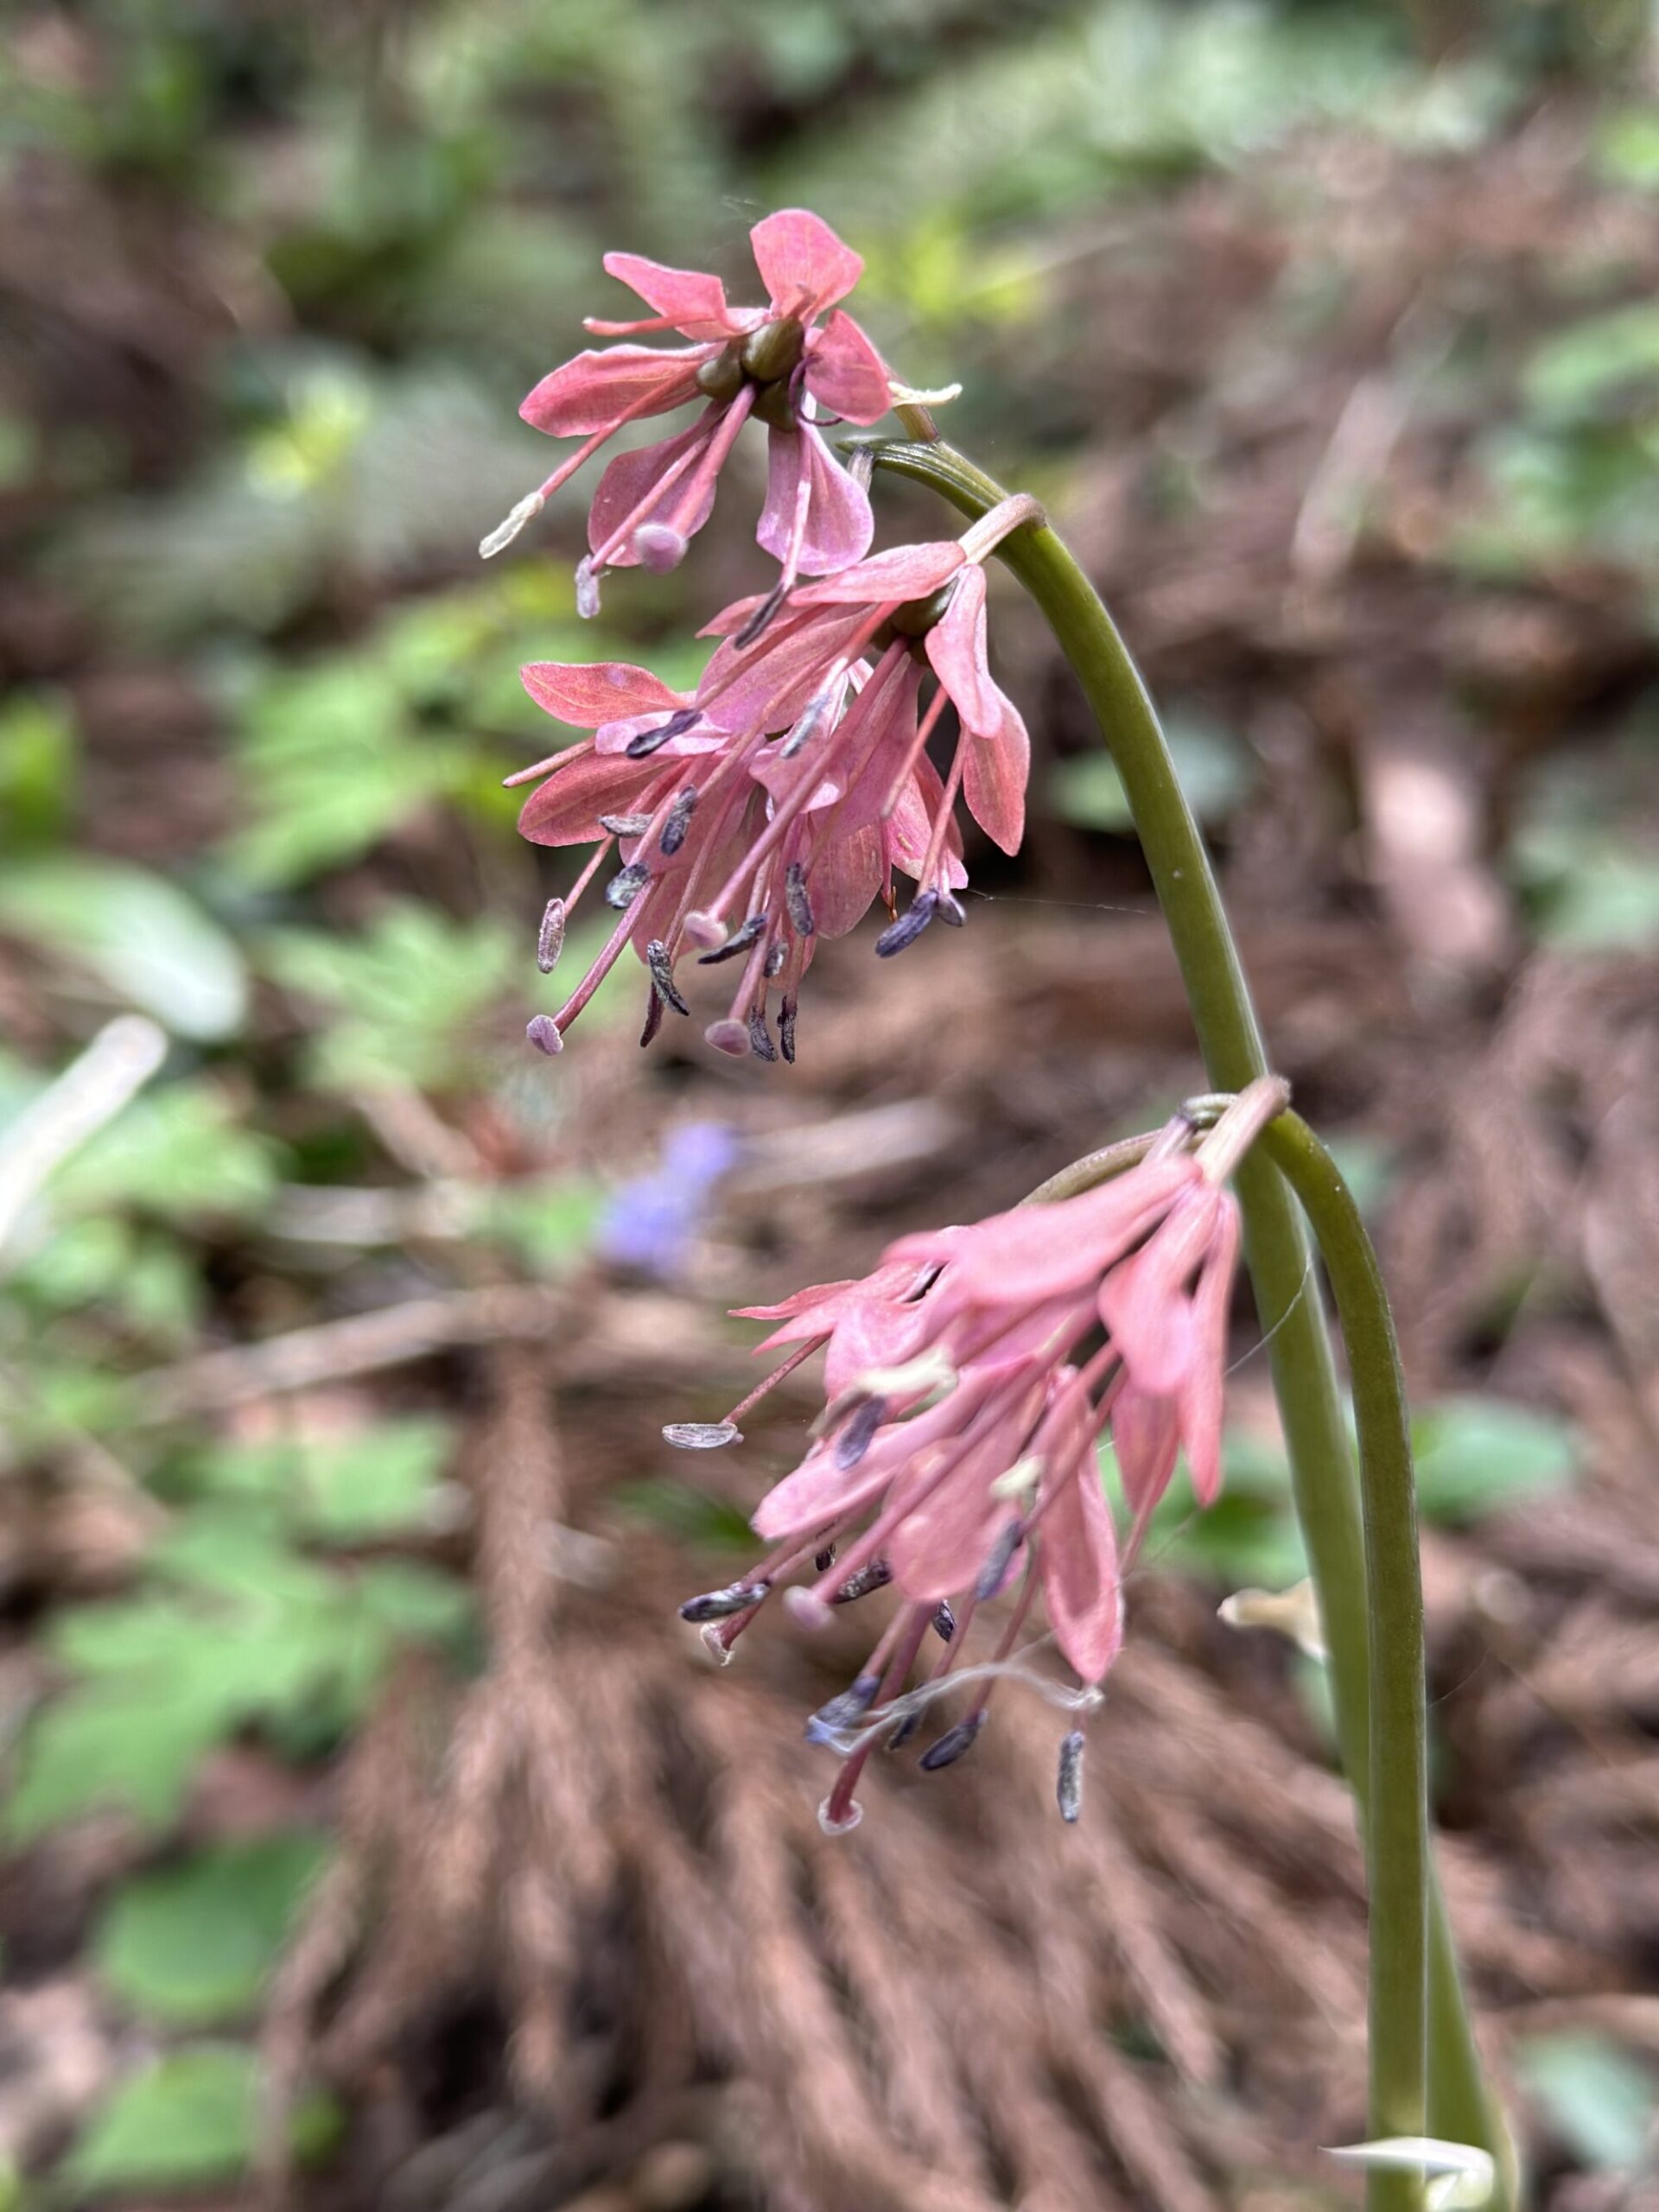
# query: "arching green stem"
{"type": "Point", "coordinates": [1397, 1824]}
{"type": "Point", "coordinates": [1276, 1246]}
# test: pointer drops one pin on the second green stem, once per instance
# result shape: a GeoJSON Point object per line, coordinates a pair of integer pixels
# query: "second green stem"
{"type": "Point", "coordinates": [1277, 1250]}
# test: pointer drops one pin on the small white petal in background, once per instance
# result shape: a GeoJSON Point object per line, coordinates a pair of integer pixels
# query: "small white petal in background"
{"type": "Point", "coordinates": [1294, 1613]}
{"type": "Point", "coordinates": [1459, 2177]}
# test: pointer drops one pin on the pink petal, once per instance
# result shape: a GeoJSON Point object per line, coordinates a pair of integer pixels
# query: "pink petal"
{"type": "Point", "coordinates": [951, 1524]}
{"type": "Point", "coordinates": [955, 647]}
{"type": "Point", "coordinates": [589, 693]}
{"type": "Point", "coordinates": [839, 521]}
{"type": "Point", "coordinates": [596, 389]}
{"type": "Point", "coordinates": [817, 1494]}
{"type": "Point", "coordinates": [565, 809]}
{"type": "Point", "coordinates": [615, 737]}
{"type": "Point", "coordinates": [870, 753]}
{"type": "Point", "coordinates": [626, 484]}
{"type": "Point", "coordinates": [1205, 1386]}
{"type": "Point", "coordinates": [805, 266]}
{"type": "Point", "coordinates": [1081, 1588]}
{"type": "Point", "coordinates": [828, 1301]}
{"type": "Point", "coordinates": [768, 685]}
{"type": "Point", "coordinates": [910, 826]}
{"type": "Point", "coordinates": [877, 1333]}
{"type": "Point", "coordinates": [693, 302]}
{"type": "Point", "coordinates": [901, 573]}
{"type": "Point", "coordinates": [940, 1548]}
{"type": "Point", "coordinates": [994, 778]}
{"type": "Point", "coordinates": [1146, 1435]}
{"type": "Point", "coordinates": [845, 373]}
{"type": "Point", "coordinates": [844, 881]}
{"type": "Point", "coordinates": [1038, 1252]}
{"type": "Point", "coordinates": [1145, 1302]}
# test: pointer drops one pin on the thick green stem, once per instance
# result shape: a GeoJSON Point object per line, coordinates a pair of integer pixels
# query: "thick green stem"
{"type": "Point", "coordinates": [1276, 1246]}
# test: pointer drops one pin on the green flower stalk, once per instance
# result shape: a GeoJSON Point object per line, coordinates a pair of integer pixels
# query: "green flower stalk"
{"type": "Point", "coordinates": [1454, 2097]}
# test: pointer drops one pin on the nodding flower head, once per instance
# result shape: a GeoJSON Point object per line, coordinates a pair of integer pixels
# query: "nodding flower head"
{"type": "Point", "coordinates": [769, 809]}
{"type": "Point", "coordinates": [956, 1460]}
{"type": "Point", "coordinates": [781, 363]}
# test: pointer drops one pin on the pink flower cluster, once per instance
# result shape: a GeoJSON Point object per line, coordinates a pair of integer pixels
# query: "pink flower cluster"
{"type": "Point", "coordinates": [775, 363]}
{"type": "Point", "coordinates": [745, 820]}
{"type": "Point", "coordinates": [956, 1459]}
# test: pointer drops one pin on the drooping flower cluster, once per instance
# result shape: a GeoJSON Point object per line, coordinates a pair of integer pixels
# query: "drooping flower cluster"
{"type": "Point", "coordinates": [768, 810]}
{"type": "Point", "coordinates": [967, 1389]}
{"type": "Point", "coordinates": [766, 362]}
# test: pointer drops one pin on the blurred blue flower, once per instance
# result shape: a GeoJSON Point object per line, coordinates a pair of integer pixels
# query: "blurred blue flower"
{"type": "Point", "coordinates": [651, 1223]}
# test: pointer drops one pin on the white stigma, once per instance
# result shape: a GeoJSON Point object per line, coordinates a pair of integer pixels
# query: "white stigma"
{"type": "Point", "coordinates": [504, 533]}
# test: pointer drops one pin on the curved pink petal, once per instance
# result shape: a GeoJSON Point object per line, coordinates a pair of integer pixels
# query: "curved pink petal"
{"type": "Point", "coordinates": [588, 694]}
{"type": "Point", "coordinates": [805, 266]}
{"type": "Point", "coordinates": [840, 523]}
{"type": "Point", "coordinates": [817, 1494]}
{"type": "Point", "coordinates": [957, 649]}
{"type": "Point", "coordinates": [910, 826]}
{"type": "Point", "coordinates": [1037, 1252]}
{"type": "Point", "coordinates": [565, 809]}
{"type": "Point", "coordinates": [615, 737]}
{"type": "Point", "coordinates": [767, 685]}
{"type": "Point", "coordinates": [1146, 1435]}
{"type": "Point", "coordinates": [624, 492]}
{"type": "Point", "coordinates": [845, 880]}
{"type": "Point", "coordinates": [827, 1301]}
{"type": "Point", "coordinates": [1080, 1587]}
{"type": "Point", "coordinates": [597, 389]}
{"type": "Point", "coordinates": [692, 300]}
{"type": "Point", "coordinates": [994, 776]}
{"type": "Point", "coordinates": [845, 373]}
{"type": "Point", "coordinates": [877, 1333]}
{"type": "Point", "coordinates": [1146, 1303]}
{"type": "Point", "coordinates": [902, 572]}
{"type": "Point", "coordinates": [1205, 1386]}
{"type": "Point", "coordinates": [939, 1549]}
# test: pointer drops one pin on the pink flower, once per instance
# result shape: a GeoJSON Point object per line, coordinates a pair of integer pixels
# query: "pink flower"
{"type": "Point", "coordinates": [956, 1456]}
{"type": "Point", "coordinates": [708, 822]}
{"type": "Point", "coordinates": [880, 623]}
{"type": "Point", "coordinates": [766, 813]}
{"type": "Point", "coordinates": [779, 363]}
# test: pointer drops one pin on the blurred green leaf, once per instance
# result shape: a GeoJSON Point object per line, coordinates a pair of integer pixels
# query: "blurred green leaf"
{"type": "Point", "coordinates": [234, 1628]}
{"type": "Point", "coordinates": [1627, 146]}
{"type": "Point", "coordinates": [377, 1481]}
{"type": "Point", "coordinates": [179, 1152]}
{"type": "Point", "coordinates": [330, 762]}
{"type": "Point", "coordinates": [37, 769]}
{"type": "Point", "coordinates": [189, 1946]}
{"type": "Point", "coordinates": [109, 1747]}
{"type": "Point", "coordinates": [1597, 2099]}
{"type": "Point", "coordinates": [691, 1517]}
{"type": "Point", "coordinates": [1581, 368]}
{"type": "Point", "coordinates": [548, 1225]}
{"type": "Point", "coordinates": [1214, 767]}
{"type": "Point", "coordinates": [149, 1284]}
{"type": "Point", "coordinates": [147, 939]}
{"type": "Point", "coordinates": [188, 2121]}
{"type": "Point", "coordinates": [1476, 1455]}
{"type": "Point", "coordinates": [405, 997]}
